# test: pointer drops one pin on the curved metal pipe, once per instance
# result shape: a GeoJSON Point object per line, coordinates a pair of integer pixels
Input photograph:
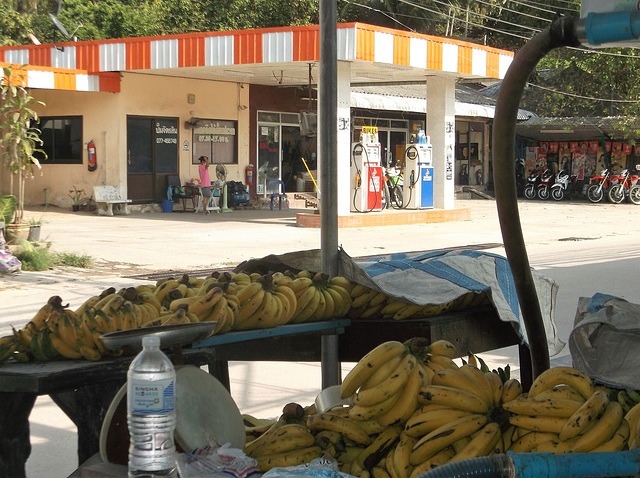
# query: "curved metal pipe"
{"type": "Point", "coordinates": [560, 33]}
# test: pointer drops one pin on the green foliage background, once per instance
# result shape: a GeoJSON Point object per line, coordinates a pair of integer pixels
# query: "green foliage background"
{"type": "Point", "coordinates": [569, 82]}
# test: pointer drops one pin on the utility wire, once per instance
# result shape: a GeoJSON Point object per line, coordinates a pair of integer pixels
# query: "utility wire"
{"type": "Point", "coordinates": [564, 93]}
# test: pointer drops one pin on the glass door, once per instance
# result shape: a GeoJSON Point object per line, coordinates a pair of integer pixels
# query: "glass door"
{"type": "Point", "coordinates": [268, 158]}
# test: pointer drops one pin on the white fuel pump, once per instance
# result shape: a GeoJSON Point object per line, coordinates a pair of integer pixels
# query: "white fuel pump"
{"type": "Point", "coordinates": [418, 175]}
{"type": "Point", "coordinates": [366, 173]}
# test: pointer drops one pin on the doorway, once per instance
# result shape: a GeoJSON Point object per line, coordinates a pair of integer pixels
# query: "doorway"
{"type": "Point", "coordinates": [152, 154]}
{"type": "Point", "coordinates": [280, 151]}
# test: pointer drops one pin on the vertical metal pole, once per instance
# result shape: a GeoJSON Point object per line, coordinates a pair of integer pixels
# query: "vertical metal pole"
{"type": "Point", "coordinates": [327, 155]}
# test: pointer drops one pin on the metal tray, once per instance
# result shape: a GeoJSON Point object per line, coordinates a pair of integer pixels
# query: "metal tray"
{"type": "Point", "coordinates": [170, 336]}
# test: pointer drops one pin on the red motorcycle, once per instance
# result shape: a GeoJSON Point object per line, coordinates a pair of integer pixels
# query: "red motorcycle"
{"type": "Point", "coordinates": [543, 190]}
{"type": "Point", "coordinates": [622, 187]}
{"type": "Point", "coordinates": [598, 185]}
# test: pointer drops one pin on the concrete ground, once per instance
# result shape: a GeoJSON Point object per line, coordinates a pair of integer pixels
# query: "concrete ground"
{"type": "Point", "coordinates": [586, 248]}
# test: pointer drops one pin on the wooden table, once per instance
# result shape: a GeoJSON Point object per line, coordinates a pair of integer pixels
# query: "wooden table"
{"type": "Point", "coordinates": [84, 390]}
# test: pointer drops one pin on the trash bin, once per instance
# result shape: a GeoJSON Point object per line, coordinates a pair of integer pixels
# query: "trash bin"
{"type": "Point", "coordinates": [167, 205]}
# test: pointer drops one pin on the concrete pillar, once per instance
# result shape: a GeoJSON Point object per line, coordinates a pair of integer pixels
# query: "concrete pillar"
{"type": "Point", "coordinates": [441, 126]}
{"type": "Point", "coordinates": [344, 138]}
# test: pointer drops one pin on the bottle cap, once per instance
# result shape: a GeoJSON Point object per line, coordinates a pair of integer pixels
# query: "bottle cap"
{"type": "Point", "coordinates": [151, 341]}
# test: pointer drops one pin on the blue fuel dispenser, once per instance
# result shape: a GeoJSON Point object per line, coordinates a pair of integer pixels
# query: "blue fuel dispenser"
{"type": "Point", "coordinates": [418, 174]}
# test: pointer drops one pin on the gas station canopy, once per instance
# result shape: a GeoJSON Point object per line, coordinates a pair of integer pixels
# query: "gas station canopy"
{"type": "Point", "coordinates": [269, 56]}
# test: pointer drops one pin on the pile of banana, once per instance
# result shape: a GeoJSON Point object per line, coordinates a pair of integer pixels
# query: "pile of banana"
{"type": "Point", "coordinates": [565, 413]}
{"type": "Point", "coordinates": [235, 301]}
{"type": "Point", "coordinates": [369, 303]}
{"type": "Point", "coordinates": [414, 409]}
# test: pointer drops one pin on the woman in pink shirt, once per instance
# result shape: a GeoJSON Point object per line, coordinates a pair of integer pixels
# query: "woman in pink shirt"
{"type": "Point", "coordinates": [205, 183]}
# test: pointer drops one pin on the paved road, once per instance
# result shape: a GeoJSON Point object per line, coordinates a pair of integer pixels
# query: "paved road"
{"type": "Point", "coordinates": [585, 248]}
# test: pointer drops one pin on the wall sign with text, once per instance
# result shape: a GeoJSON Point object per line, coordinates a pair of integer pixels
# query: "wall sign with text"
{"type": "Point", "coordinates": [216, 139]}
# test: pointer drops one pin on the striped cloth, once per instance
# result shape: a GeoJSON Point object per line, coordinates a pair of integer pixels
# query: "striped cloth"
{"type": "Point", "coordinates": [439, 277]}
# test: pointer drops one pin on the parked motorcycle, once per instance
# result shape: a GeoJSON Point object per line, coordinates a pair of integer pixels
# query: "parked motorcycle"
{"type": "Point", "coordinates": [564, 185]}
{"type": "Point", "coordinates": [533, 180]}
{"type": "Point", "coordinates": [392, 190]}
{"type": "Point", "coordinates": [543, 190]}
{"type": "Point", "coordinates": [598, 186]}
{"type": "Point", "coordinates": [622, 188]}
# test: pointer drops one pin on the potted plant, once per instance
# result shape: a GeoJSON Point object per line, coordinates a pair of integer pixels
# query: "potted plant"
{"type": "Point", "coordinates": [34, 230]}
{"type": "Point", "coordinates": [18, 143]}
{"type": "Point", "coordinates": [78, 197]}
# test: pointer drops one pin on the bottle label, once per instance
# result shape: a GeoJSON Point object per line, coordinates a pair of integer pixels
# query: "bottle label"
{"type": "Point", "coordinates": [152, 397]}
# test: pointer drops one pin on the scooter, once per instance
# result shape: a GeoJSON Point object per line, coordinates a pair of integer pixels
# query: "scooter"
{"type": "Point", "coordinates": [563, 186]}
{"type": "Point", "coordinates": [598, 186]}
{"type": "Point", "coordinates": [543, 189]}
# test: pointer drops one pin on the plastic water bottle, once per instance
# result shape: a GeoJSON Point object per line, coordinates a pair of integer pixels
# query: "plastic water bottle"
{"type": "Point", "coordinates": [151, 414]}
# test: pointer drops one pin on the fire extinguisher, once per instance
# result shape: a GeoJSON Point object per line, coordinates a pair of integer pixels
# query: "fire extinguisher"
{"type": "Point", "coordinates": [249, 174]}
{"type": "Point", "coordinates": [479, 176]}
{"type": "Point", "coordinates": [91, 152]}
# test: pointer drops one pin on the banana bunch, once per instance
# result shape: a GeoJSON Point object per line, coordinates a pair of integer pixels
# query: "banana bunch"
{"type": "Point", "coordinates": [368, 303]}
{"type": "Point", "coordinates": [284, 442]}
{"type": "Point", "coordinates": [320, 297]}
{"type": "Point", "coordinates": [565, 413]}
{"type": "Point", "coordinates": [267, 301]}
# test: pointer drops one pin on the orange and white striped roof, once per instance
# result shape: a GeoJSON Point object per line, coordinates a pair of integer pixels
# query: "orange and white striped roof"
{"type": "Point", "coordinates": [89, 61]}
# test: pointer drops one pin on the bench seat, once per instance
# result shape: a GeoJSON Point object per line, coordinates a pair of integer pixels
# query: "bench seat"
{"type": "Point", "coordinates": [106, 197]}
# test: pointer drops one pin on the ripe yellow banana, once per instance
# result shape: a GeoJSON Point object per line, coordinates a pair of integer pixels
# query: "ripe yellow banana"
{"type": "Point", "coordinates": [90, 302]}
{"type": "Point", "coordinates": [305, 312]}
{"type": "Point", "coordinates": [482, 444]}
{"type": "Point", "coordinates": [439, 459]}
{"type": "Point", "coordinates": [391, 307]}
{"type": "Point", "coordinates": [339, 309]}
{"type": "Point", "coordinates": [364, 413]}
{"type": "Point", "coordinates": [246, 293]}
{"type": "Point", "coordinates": [289, 458]}
{"type": "Point", "coordinates": [330, 305]}
{"type": "Point", "coordinates": [424, 422]}
{"type": "Point", "coordinates": [343, 282]}
{"type": "Point", "coordinates": [407, 312]}
{"type": "Point", "coordinates": [602, 431]}
{"type": "Point", "coordinates": [363, 299]}
{"type": "Point", "coordinates": [633, 417]}
{"type": "Point", "coordinates": [250, 307]}
{"type": "Point", "coordinates": [475, 373]}
{"type": "Point", "coordinates": [389, 387]}
{"type": "Point", "coordinates": [442, 347]}
{"type": "Point", "coordinates": [529, 441]}
{"type": "Point", "coordinates": [407, 401]}
{"type": "Point", "coordinates": [318, 313]}
{"type": "Point", "coordinates": [511, 390]}
{"type": "Point", "coordinates": [452, 397]}
{"type": "Point", "coordinates": [496, 386]}
{"type": "Point", "coordinates": [345, 426]}
{"type": "Point", "coordinates": [442, 437]}
{"type": "Point", "coordinates": [289, 437]}
{"type": "Point", "coordinates": [555, 446]}
{"type": "Point", "coordinates": [534, 406]}
{"type": "Point", "coordinates": [379, 447]}
{"type": "Point", "coordinates": [401, 455]}
{"type": "Point", "coordinates": [368, 364]}
{"type": "Point", "coordinates": [618, 442]}
{"type": "Point", "coordinates": [563, 392]}
{"type": "Point", "coordinates": [458, 379]}
{"type": "Point", "coordinates": [562, 375]}
{"type": "Point", "coordinates": [585, 415]}
{"type": "Point", "coordinates": [539, 423]}
{"type": "Point", "coordinates": [443, 361]}
{"type": "Point", "coordinates": [165, 287]}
